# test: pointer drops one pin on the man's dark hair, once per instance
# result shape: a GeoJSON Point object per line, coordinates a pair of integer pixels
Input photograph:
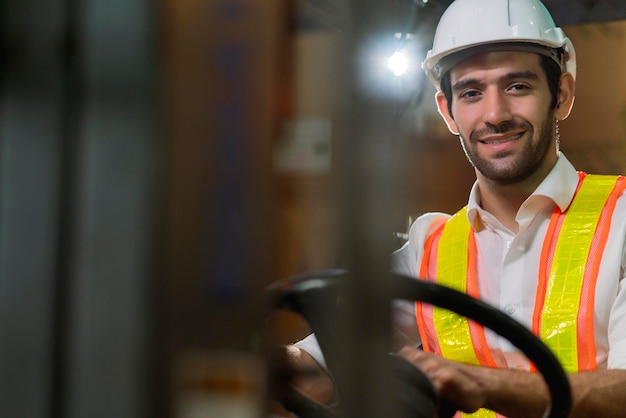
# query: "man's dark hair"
{"type": "Point", "coordinates": [550, 67]}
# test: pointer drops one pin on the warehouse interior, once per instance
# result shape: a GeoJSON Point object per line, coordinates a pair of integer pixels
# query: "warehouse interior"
{"type": "Point", "coordinates": [162, 163]}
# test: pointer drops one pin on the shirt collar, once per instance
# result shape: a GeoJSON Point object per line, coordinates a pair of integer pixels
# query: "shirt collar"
{"type": "Point", "coordinates": [559, 186]}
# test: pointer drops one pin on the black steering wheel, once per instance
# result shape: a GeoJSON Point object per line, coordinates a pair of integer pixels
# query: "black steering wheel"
{"type": "Point", "coordinates": [315, 296]}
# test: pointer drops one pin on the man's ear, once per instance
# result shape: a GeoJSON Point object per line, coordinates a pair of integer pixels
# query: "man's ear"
{"type": "Point", "coordinates": [442, 106]}
{"type": "Point", "coordinates": [565, 96]}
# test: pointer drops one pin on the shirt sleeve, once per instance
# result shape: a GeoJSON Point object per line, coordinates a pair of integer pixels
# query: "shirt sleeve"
{"type": "Point", "coordinates": [311, 346]}
{"type": "Point", "coordinates": [617, 325]}
{"type": "Point", "coordinates": [617, 332]}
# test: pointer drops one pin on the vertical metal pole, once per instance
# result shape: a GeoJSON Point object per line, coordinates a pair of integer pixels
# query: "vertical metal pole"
{"type": "Point", "coordinates": [368, 161]}
{"type": "Point", "coordinates": [77, 204]}
{"type": "Point", "coordinates": [31, 109]}
{"type": "Point", "coordinates": [110, 206]}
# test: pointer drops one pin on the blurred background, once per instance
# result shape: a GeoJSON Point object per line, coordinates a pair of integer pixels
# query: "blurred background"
{"type": "Point", "coordinates": [161, 163]}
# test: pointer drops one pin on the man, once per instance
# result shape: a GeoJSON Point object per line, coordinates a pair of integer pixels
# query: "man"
{"type": "Point", "coordinates": [537, 239]}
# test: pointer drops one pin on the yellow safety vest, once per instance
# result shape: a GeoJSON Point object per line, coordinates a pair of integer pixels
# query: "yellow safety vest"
{"type": "Point", "coordinates": [570, 260]}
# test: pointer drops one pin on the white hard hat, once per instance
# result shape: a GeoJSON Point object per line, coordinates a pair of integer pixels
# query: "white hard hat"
{"type": "Point", "coordinates": [524, 25]}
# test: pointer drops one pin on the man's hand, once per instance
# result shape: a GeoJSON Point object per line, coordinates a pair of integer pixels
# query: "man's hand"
{"type": "Point", "coordinates": [518, 393]}
{"type": "Point", "coordinates": [309, 377]}
{"type": "Point", "coordinates": [513, 393]}
{"type": "Point", "coordinates": [295, 369]}
{"type": "Point", "coordinates": [459, 383]}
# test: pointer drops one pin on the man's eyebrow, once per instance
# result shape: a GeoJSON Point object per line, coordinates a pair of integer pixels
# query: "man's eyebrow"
{"type": "Point", "coordinates": [526, 75]}
{"type": "Point", "coordinates": [517, 75]}
{"type": "Point", "coordinates": [461, 84]}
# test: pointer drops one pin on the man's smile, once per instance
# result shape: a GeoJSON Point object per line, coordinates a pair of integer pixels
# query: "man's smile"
{"type": "Point", "coordinates": [500, 138]}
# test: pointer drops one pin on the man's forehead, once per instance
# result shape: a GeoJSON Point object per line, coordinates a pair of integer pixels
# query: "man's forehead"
{"type": "Point", "coordinates": [505, 61]}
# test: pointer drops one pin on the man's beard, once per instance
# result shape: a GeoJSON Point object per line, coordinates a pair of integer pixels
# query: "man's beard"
{"type": "Point", "coordinates": [525, 162]}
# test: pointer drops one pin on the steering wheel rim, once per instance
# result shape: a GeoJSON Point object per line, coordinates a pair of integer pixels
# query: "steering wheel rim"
{"type": "Point", "coordinates": [322, 286]}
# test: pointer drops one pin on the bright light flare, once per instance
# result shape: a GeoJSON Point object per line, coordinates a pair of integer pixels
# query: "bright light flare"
{"type": "Point", "coordinates": [398, 64]}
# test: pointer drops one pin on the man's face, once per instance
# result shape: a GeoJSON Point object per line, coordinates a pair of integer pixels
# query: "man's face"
{"type": "Point", "coordinates": [501, 109]}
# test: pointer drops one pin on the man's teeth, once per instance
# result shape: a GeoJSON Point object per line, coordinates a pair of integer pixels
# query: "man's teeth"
{"type": "Point", "coordinates": [499, 141]}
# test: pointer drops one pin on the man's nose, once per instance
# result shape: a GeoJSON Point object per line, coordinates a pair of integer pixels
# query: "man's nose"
{"type": "Point", "coordinates": [497, 108]}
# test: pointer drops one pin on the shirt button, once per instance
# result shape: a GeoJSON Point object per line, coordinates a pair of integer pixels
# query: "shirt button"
{"type": "Point", "coordinates": [510, 309]}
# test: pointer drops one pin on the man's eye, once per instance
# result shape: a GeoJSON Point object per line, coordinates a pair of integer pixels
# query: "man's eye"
{"type": "Point", "coordinates": [518, 86]}
{"type": "Point", "coordinates": [469, 94]}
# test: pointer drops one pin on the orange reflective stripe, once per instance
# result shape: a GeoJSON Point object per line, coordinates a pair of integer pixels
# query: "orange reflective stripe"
{"type": "Point", "coordinates": [419, 307]}
{"type": "Point", "coordinates": [477, 331]}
